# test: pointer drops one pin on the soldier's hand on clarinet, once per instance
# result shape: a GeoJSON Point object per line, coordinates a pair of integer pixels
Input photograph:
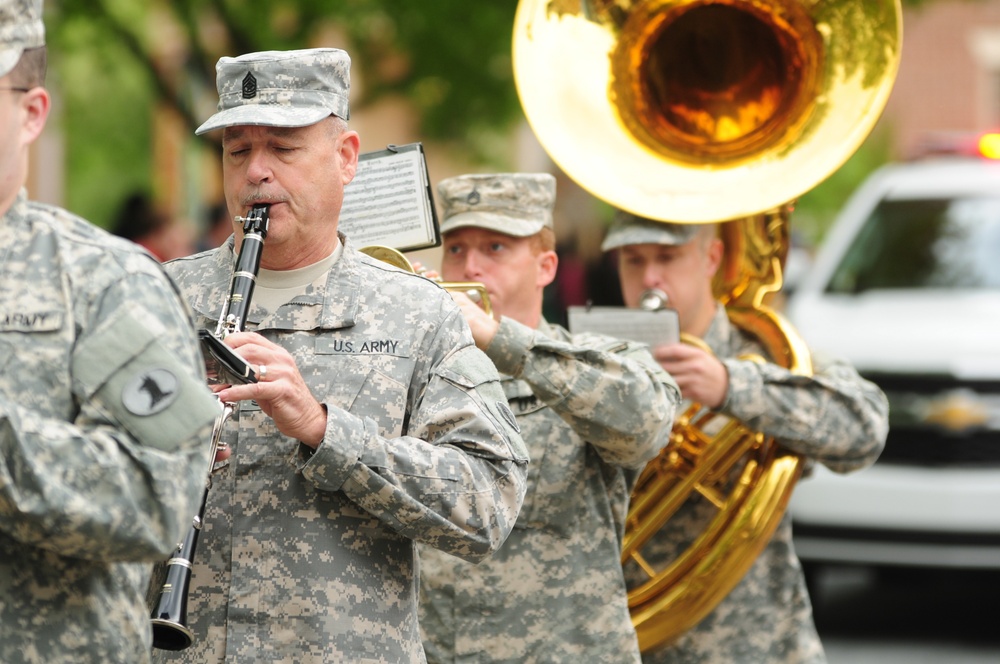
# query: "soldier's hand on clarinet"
{"type": "Point", "coordinates": [280, 390]}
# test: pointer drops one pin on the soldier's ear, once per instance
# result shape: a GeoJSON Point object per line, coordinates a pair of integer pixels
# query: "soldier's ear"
{"type": "Point", "coordinates": [548, 262]}
{"type": "Point", "coordinates": [34, 106]}
{"type": "Point", "coordinates": [714, 253]}
{"type": "Point", "coordinates": [348, 150]}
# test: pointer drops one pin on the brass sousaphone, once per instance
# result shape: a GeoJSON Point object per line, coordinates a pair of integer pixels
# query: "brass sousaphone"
{"type": "Point", "coordinates": [702, 111]}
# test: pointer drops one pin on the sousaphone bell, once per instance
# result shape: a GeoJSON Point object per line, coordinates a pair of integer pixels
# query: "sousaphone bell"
{"type": "Point", "coordinates": [708, 111]}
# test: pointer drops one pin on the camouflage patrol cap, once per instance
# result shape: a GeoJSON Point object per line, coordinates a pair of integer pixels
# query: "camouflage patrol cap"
{"type": "Point", "coordinates": [21, 28]}
{"type": "Point", "coordinates": [281, 88]}
{"type": "Point", "coordinates": [516, 204]}
{"type": "Point", "coordinates": [628, 228]}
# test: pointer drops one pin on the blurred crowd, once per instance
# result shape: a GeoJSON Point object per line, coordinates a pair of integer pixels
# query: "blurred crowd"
{"type": "Point", "coordinates": [165, 236]}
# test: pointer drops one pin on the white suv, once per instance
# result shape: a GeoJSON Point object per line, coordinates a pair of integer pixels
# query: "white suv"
{"type": "Point", "coordinates": [906, 286]}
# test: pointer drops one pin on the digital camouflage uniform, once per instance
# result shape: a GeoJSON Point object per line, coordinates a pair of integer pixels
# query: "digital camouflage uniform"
{"type": "Point", "coordinates": [592, 411]}
{"type": "Point", "coordinates": [835, 418]}
{"type": "Point", "coordinates": [105, 420]}
{"type": "Point", "coordinates": [309, 556]}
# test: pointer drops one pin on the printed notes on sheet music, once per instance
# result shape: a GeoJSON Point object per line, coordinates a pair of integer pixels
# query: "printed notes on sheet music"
{"type": "Point", "coordinates": [389, 202]}
{"type": "Point", "coordinates": [649, 327]}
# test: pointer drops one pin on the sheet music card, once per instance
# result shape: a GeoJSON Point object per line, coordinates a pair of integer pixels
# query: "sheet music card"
{"type": "Point", "coordinates": [389, 202]}
{"type": "Point", "coordinates": [649, 327]}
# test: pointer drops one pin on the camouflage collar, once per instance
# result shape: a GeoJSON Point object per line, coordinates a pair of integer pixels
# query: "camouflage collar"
{"type": "Point", "coordinates": [331, 306]}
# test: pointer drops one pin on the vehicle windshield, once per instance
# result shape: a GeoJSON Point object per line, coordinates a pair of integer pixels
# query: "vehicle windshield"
{"type": "Point", "coordinates": [929, 243]}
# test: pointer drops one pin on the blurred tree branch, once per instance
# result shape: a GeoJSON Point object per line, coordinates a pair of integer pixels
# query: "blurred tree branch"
{"type": "Point", "coordinates": [450, 59]}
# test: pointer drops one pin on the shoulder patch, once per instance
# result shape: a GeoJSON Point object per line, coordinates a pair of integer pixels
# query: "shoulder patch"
{"type": "Point", "coordinates": [150, 391]}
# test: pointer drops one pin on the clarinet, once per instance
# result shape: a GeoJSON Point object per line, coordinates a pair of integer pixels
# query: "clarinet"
{"type": "Point", "coordinates": [224, 366]}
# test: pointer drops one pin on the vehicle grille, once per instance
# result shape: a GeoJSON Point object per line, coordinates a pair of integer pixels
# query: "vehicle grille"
{"type": "Point", "coordinates": [941, 421]}
{"type": "Point", "coordinates": [927, 447]}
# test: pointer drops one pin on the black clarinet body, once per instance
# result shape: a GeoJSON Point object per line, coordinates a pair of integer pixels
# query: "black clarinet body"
{"type": "Point", "coordinates": [223, 366]}
{"type": "Point", "coordinates": [233, 317]}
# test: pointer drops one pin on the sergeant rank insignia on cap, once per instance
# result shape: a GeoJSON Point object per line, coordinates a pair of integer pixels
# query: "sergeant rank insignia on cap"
{"type": "Point", "coordinates": [249, 86]}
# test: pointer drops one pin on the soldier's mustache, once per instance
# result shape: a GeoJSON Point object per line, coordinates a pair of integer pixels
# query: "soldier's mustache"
{"type": "Point", "coordinates": [261, 197]}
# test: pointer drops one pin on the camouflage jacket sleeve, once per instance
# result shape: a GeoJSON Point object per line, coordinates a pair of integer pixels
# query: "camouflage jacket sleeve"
{"type": "Point", "coordinates": [834, 416]}
{"type": "Point", "coordinates": [93, 467]}
{"type": "Point", "coordinates": [456, 480]}
{"type": "Point", "coordinates": [611, 392]}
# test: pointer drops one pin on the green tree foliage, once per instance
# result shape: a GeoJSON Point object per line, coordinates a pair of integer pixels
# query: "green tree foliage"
{"type": "Point", "coordinates": [116, 59]}
{"type": "Point", "coordinates": [815, 210]}
{"type": "Point", "coordinates": [452, 59]}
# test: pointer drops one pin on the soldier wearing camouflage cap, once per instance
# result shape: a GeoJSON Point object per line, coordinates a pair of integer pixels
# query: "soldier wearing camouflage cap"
{"type": "Point", "coordinates": [105, 415]}
{"type": "Point", "coordinates": [833, 417]}
{"type": "Point", "coordinates": [21, 29]}
{"type": "Point", "coordinates": [375, 423]}
{"type": "Point", "coordinates": [554, 591]}
{"type": "Point", "coordinates": [515, 204]}
{"type": "Point", "coordinates": [629, 229]}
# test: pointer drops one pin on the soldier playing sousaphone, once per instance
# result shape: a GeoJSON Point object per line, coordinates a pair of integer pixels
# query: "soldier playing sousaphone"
{"type": "Point", "coordinates": [833, 417]}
